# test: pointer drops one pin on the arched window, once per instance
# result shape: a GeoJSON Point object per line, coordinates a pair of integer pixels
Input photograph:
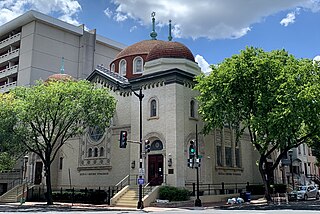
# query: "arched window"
{"type": "Point", "coordinates": [153, 108]}
{"type": "Point", "coordinates": [90, 152]}
{"type": "Point", "coordinates": [61, 163]}
{"type": "Point", "coordinates": [95, 152]}
{"type": "Point", "coordinates": [113, 67]}
{"type": "Point", "coordinates": [192, 109]}
{"type": "Point", "coordinates": [138, 65]}
{"type": "Point", "coordinates": [156, 145]}
{"type": "Point", "coordinates": [123, 67]}
{"type": "Point", "coordinates": [101, 151]}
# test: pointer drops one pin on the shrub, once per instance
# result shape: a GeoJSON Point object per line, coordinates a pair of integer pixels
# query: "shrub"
{"type": "Point", "coordinates": [174, 194]}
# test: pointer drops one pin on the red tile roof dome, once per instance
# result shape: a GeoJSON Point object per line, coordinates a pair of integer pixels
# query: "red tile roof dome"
{"type": "Point", "coordinates": [170, 50]}
{"type": "Point", "coordinates": [143, 47]}
{"type": "Point", "coordinates": [60, 77]}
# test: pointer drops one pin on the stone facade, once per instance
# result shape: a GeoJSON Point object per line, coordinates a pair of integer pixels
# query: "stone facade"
{"type": "Point", "coordinates": [169, 110]}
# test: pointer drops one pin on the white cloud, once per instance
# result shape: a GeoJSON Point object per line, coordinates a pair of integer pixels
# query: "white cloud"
{"type": "Point", "coordinates": [66, 10]}
{"type": "Point", "coordinates": [203, 64]}
{"type": "Point", "coordinates": [133, 28]}
{"type": "Point", "coordinates": [120, 17]}
{"type": "Point", "coordinates": [108, 12]}
{"type": "Point", "coordinates": [289, 19]}
{"type": "Point", "coordinates": [213, 19]}
{"type": "Point", "coordinates": [316, 58]}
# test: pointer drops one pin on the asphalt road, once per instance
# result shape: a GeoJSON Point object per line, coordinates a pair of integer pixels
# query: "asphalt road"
{"type": "Point", "coordinates": [299, 207]}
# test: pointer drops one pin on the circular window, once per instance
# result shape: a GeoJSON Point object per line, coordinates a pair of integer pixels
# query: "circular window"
{"type": "Point", "coordinates": [95, 133]}
{"type": "Point", "coordinates": [156, 145]}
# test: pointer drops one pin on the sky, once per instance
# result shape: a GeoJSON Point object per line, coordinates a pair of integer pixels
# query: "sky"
{"type": "Point", "coordinates": [212, 29]}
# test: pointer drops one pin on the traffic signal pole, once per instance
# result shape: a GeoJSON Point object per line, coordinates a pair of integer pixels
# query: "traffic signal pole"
{"type": "Point", "coordinates": [197, 201]}
{"type": "Point", "coordinates": [140, 96]}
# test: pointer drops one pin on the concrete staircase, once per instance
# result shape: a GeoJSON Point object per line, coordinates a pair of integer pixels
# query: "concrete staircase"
{"type": "Point", "coordinates": [129, 198]}
{"type": "Point", "coordinates": [14, 194]}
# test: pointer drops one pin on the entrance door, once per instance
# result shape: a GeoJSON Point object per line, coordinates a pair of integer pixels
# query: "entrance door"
{"type": "Point", "coordinates": [38, 173]}
{"type": "Point", "coordinates": [155, 169]}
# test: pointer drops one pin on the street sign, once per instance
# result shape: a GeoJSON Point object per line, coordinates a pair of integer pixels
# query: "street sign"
{"type": "Point", "coordinates": [141, 171]}
{"type": "Point", "coordinates": [140, 181]}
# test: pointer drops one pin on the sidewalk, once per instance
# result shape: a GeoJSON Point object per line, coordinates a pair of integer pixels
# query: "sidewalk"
{"type": "Point", "coordinates": [58, 206]}
{"type": "Point", "coordinates": [257, 204]}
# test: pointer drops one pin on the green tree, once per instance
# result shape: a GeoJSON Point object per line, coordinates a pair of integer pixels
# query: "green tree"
{"type": "Point", "coordinates": [50, 113]}
{"type": "Point", "coordinates": [272, 95]}
{"type": "Point", "coordinates": [10, 147]}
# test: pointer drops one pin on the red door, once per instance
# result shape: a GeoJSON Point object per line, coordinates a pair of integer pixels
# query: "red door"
{"type": "Point", "coordinates": [155, 169]}
{"type": "Point", "coordinates": [38, 173]}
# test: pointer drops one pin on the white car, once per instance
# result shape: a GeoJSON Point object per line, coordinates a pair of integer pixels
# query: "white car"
{"type": "Point", "coordinates": [305, 192]}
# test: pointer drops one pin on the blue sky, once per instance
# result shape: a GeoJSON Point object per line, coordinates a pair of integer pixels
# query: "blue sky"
{"type": "Point", "coordinates": [212, 29]}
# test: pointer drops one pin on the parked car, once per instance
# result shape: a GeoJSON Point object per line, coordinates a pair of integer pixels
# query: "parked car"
{"type": "Point", "coordinates": [304, 192]}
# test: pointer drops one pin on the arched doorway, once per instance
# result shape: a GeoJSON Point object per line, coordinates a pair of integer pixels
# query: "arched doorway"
{"type": "Point", "coordinates": [155, 164]}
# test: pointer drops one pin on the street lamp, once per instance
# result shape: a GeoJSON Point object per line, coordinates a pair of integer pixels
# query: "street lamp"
{"type": "Point", "coordinates": [140, 95]}
{"type": "Point", "coordinates": [291, 167]}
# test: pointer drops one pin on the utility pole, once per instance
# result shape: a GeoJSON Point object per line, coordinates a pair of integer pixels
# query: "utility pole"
{"type": "Point", "coordinates": [197, 201]}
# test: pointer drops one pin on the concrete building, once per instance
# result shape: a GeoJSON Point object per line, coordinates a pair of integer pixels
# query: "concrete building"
{"type": "Point", "coordinates": [35, 46]}
{"type": "Point", "coordinates": [299, 166]}
{"type": "Point", "coordinates": [164, 71]}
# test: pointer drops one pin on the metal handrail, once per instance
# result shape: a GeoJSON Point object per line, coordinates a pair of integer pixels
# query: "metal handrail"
{"type": "Point", "coordinates": [120, 182]}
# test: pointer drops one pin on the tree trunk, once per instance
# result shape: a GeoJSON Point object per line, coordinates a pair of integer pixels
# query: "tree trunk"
{"type": "Point", "coordinates": [264, 179]}
{"type": "Point", "coordinates": [48, 183]}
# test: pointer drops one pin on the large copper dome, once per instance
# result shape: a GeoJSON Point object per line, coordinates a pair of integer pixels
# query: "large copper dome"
{"type": "Point", "coordinates": [170, 50]}
{"type": "Point", "coordinates": [140, 48]}
{"type": "Point", "coordinates": [145, 51]}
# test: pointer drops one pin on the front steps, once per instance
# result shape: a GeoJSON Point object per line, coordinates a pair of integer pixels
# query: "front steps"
{"type": "Point", "coordinates": [130, 197]}
{"type": "Point", "coordinates": [14, 194]}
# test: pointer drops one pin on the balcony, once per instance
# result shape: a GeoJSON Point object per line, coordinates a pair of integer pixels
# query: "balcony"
{"type": "Point", "coordinates": [9, 56]}
{"type": "Point", "coordinates": [10, 40]}
{"type": "Point", "coordinates": [8, 86]}
{"type": "Point", "coordinates": [8, 71]}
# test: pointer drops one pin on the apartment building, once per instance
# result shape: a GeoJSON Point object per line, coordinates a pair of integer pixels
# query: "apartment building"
{"type": "Point", "coordinates": [34, 46]}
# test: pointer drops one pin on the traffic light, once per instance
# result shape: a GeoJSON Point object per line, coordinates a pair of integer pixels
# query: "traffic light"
{"type": "Point", "coordinates": [192, 149]}
{"type": "Point", "coordinates": [197, 162]}
{"type": "Point", "coordinates": [192, 154]}
{"type": "Point", "coordinates": [123, 139]}
{"type": "Point", "coordinates": [190, 162]}
{"type": "Point", "coordinates": [147, 146]}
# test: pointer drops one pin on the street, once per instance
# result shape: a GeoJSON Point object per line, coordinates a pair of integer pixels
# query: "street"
{"type": "Point", "coordinates": [174, 211]}
{"type": "Point", "coordinates": [297, 207]}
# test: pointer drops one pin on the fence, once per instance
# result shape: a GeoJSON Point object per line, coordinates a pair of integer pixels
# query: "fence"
{"type": "Point", "coordinates": [90, 196]}
{"type": "Point", "coordinates": [218, 189]}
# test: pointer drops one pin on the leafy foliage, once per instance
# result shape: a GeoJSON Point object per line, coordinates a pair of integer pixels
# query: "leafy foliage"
{"type": "Point", "coordinates": [10, 147]}
{"type": "Point", "coordinates": [173, 193]}
{"type": "Point", "coordinates": [273, 95]}
{"type": "Point", "coordinates": [45, 116]}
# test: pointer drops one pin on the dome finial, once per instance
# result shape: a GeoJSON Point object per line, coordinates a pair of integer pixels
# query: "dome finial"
{"type": "Point", "coordinates": [153, 34]}
{"type": "Point", "coordinates": [169, 37]}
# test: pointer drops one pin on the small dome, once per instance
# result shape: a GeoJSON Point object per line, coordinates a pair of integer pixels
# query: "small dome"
{"type": "Point", "coordinates": [60, 77]}
{"type": "Point", "coordinates": [170, 50]}
{"type": "Point", "coordinates": [143, 47]}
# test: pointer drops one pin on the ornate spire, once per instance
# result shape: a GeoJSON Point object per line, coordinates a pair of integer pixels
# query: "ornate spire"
{"type": "Point", "coordinates": [62, 66]}
{"type": "Point", "coordinates": [169, 37]}
{"type": "Point", "coordinates": [153, 34]}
